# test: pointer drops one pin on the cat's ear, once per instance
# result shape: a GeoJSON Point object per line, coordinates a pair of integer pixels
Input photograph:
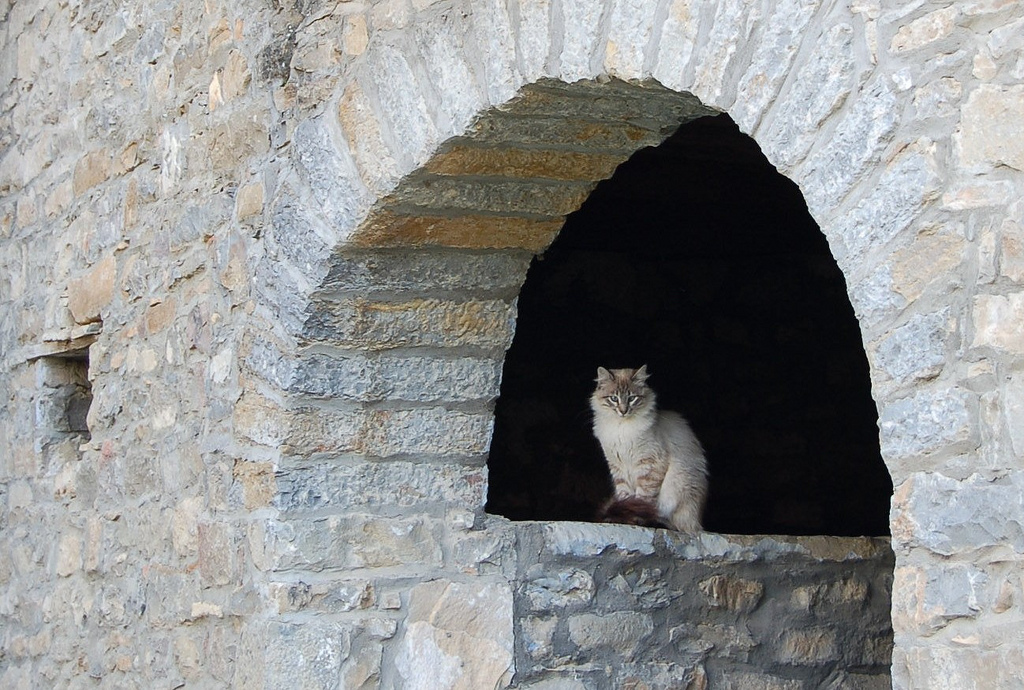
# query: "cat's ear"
{"type": "Point", "coordinates": [640, 375]}
{"type": "Point", "coordinates": [603, 375]}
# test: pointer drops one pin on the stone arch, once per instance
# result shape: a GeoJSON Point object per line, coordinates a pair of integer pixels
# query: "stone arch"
{"type": "Point", "coordinates": [801, 78]}
{"type": "Point", "coordinates": [375, 168]}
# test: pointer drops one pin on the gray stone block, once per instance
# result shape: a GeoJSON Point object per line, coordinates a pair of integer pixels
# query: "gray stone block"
{"type": "Point", "coordinates": [339, 543]}
{"type": "Point", "coordinates": [857, 142]}
{"type": "Point", "coordinates": [414, 378]}
{"type": "Point", "coordinates": [442, 42]}
{"type": "Point", "coordinates": [823, 81]}
{"type": "Point", "coordinates": [571, 587]}
{"type": "Point", "coordinates": [907, 185]}
{"type": "Point", "coordinates": [452, 270]}
{"type": "Point", "coordinates": [431, 431]}
{"type": "Point", "coordinates": [616, 633]}
{"type": "Point", "coordinates": [917, 349]}
{"type": "Point", "coordinates": [927, 422]}
{"type": "Point", "coordinates": [513, 197]}
{"type": "Point", "coordinates": [376, 325]}
{"type": "Point", "coordinates": [328, 169]}
{"type": "Point", "coordinates": [390, 485]}
{"type": "Point", "coordinates": [950, 517]}
{"type": "Point", "coordinates": [413, 134]}
{"type": "Point", "coordinates": [772, 61]}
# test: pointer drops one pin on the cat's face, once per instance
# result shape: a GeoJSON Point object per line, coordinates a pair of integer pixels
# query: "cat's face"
{"type": "Point", "coordinates": [623, 392]}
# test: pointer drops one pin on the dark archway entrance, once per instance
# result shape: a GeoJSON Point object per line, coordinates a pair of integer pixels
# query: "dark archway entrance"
{"type": "Point", "coordinates": [700, 260]}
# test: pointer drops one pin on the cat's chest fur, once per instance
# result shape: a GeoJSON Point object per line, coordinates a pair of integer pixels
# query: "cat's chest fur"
{"type": "Point", "coordinates": [624, 441]}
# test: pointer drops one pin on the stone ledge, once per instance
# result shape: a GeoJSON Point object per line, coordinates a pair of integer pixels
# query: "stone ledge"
{"type": "Point", "coordinates": [583, 539]}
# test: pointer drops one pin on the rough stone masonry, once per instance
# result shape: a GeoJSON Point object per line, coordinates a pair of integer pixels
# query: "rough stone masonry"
{"type": "Point", "coordinates": [279, 244]}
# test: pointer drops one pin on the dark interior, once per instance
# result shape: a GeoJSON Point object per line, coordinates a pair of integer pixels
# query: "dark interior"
{"type": "Point", "coordinates": [700, 260]}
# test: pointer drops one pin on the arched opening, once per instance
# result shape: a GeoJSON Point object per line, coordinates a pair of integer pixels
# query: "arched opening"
{"type": "Point", "coordinates": [700, 260]}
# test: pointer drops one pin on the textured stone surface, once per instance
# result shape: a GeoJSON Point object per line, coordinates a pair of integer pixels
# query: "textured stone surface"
{"type": "Point", "coordinates": [352, 541]}
{"type": "Point", "coordinates": [987, 135]}
{"type": "Point", "coordinates": [374, 325]}
{"type": "Point", "coordinates": [997, 323]}
{"type": "Point", "coordinates": [926, 423]}
{"type": "Point", "coordinates": [917, 349]}
{"type": "Point", "coordinates": [908, 184]}
{"type": "Point", "coordinates": [949, 517]}
{"type": "Point", "coordinates": [712, 619]}
{"type": "Point", "coordinates": [384, 433]}
{"type": "Point", "coordinates": [384, 485]}
{"type": "Point", "coordinates": [88, 295]}
{"type": "Point", "coordinates": [196, 180]}
{"type": "Point", "coordinates": [457, 636]}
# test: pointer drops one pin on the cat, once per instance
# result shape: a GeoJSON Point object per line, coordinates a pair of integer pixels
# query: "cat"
{"type": "Point", "coordinates": [654, 457]}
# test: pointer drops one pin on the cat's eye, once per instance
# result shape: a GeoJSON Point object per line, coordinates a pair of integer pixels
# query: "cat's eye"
{"type": "Point", "coordinates": [634, 399]}
{"type": "Point", "coordinates": [613, 399]}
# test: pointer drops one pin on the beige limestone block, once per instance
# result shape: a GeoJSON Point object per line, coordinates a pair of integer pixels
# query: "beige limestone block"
{"type": "Point", "coordinates": [980, 195]}
{"type": "Point", "coordinates": [354, 36]}
{"type": "Point", "coordinates": [851, 591]}
{"type": "Point", "coordinates": [734, 593]}
{"type": "Point", "coordinates": [187, 655]}
{"type": "Point", "coordinates": [89, 294]}
{"type": "Point", "coordinates": [315, 54]}
{"type": "Point", "coordinates": [1011, 251]}
{"type": "Point", "coordinates": [377, 167]}
{"type": "Point", "coordinates": [232, 143]}
{"type": "Point", "coordinates": [928, 258]}
{"type": "Point", "coordinates": [258, 482]}
{"type": "Point", "coordinates": [59, 198]}
{"type": "Point", "coordinates": [260, 420]}
{"type": "Point", "coordinates": [69, 554]}
{"type": "Point", "coordinates": [809, 646]}
{"type": "Point", "coordinates": [92, 169]}
{"type": "Point", "coordinates": [128, 158]}
{"type": "Point", "coordinates": [216, 553]}
{"type": "Point", "coordinates": [235, 77]}
{"type": "Point", "coordinates": [990, 131]}
{"type": "Point", "coordinates": [984, 67]}
{"type": "Point", "coordinates": [925, 30]}
{"type": "Point", "coordinates": [249, 200]}
{"type": "Point", "coordinates": [185, 526]}
{"type": "Point", "coordinates": [215, 97]}
{"type": "Point", "coordinates": [999, 322]}
{"type": "Point", "coordinates": [27, 210]}
{"type": "Point", "coordinates": [458, 637]}
{"type": "Point", "coordinates": [160, 315]}
{"type": "Point", "coordinates": [219, 34]}
{"type": "Point", "coordinates": [234, 275]}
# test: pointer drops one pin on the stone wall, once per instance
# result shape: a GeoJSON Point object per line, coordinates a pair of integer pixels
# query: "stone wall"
{"type": "Point", "coordinates": [299, 348]}
{"type": "Point", "coordinates": [598, 606]}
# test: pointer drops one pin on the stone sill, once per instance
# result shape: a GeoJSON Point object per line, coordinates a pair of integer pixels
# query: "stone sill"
{"type": "Point", "coordinates": [586, 539]}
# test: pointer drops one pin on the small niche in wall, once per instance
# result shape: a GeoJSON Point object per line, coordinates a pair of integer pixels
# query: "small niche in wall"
{"type": "Point", "coordinates": [63, 391]}
{"type": "Point", "coordinates": [698, 259]}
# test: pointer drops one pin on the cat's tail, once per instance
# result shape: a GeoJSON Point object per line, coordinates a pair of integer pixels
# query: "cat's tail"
{"type": "Point", "coordinates": [632, 511]}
